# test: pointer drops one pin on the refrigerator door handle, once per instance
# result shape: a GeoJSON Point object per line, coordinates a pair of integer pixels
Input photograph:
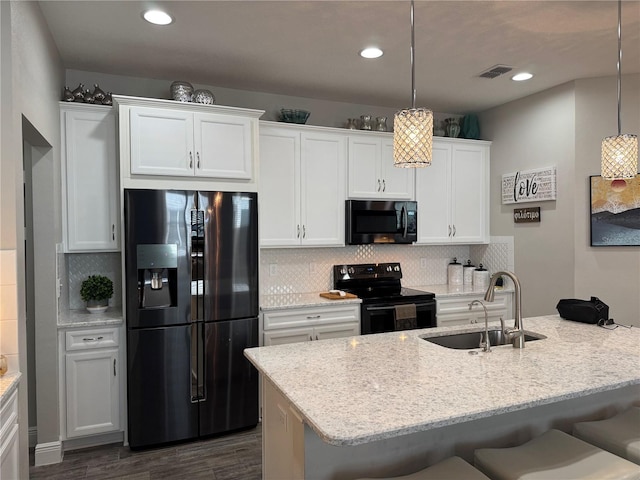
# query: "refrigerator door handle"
{"type": "Point", "coordinates": [196, 363]}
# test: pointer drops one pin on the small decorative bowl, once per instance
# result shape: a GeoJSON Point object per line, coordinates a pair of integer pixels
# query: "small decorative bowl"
{"type": "Point", "coordinates": [294, 116]}
{"type": "Point", "coordinates": [204, 96]}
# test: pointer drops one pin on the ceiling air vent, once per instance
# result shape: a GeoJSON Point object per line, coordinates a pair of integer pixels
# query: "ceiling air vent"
{"type": "Point", "coordinates": [495, 71]}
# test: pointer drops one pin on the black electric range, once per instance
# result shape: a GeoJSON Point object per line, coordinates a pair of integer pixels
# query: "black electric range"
{"type": "Point", "coordinates": [386, 305]}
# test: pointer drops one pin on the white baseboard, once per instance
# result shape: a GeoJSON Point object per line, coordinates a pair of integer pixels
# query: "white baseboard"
{"type": "Point", "coordinates": [93, 440]}
{"type": "Point", "coordinates": [48, 453]}
{"type": "Point", "coordinates": [33, 436]}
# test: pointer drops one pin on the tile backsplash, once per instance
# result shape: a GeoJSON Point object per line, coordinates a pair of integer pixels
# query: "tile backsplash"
{"type": "Point", "coordinates": [80, 265]}
{"type": "Point", "coordinates": [308, 270]}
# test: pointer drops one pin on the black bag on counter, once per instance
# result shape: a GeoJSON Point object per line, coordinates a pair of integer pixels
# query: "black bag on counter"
{"type": "Point", "coordinates": [585, 311]}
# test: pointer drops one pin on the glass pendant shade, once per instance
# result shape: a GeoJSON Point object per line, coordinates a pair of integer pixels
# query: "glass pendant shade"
{"type": "Point", "coordinates": [619, 157]}
{"type": "Point", "coordinates": [412, 137]}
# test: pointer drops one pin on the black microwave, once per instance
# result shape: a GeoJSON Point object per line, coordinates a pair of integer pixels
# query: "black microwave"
{"type": "Point", "coordinates": [380, 221]}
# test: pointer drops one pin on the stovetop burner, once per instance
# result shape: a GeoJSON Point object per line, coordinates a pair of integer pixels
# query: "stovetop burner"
{"type": "Point", "coordinates": [375, 281]}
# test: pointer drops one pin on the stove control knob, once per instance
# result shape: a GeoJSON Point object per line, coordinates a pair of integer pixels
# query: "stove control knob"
{"type": "Point", "coordinates": [389, 268]}
{"type": "Point", "coordinates": [351, 270]}
{"type": "Point", "coordinates": [343, 271]}
{"type": "Point", "coordinates": [397, 268]}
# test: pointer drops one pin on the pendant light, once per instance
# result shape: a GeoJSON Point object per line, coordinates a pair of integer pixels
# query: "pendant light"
{"type": "Point", "coordinates": [412, 128]}
{"type": "Point", "coordinates": [620, 152]}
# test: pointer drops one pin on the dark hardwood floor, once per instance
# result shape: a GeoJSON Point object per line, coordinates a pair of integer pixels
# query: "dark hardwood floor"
{"type": "Point", "coordinates": [231, 457]}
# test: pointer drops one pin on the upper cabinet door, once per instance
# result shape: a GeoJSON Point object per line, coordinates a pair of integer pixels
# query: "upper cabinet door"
{"type": "Point", "coordinates": [371, 170]}
{"type": "Point", "coordinates": [279, 192]}
{"type": "Point", "coordinates": [364, 167]}
{"type": "Point", "coordinates": [434, 197]}
{"type": "Point", "coordinates": [90, 187]}
{"type": "Point", "coordinates": [323, 168]}
{"type": "Point", "coordinates": [397, 183]}
{"type": "Point", "coordinates": [161, 142]}
{"type": "Point", "coordinates": [223, 146]}
{"type": "Point", "coordinates": [470, 187]}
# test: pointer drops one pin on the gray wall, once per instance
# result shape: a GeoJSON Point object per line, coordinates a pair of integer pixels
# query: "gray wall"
{"type": "Point", "coordinates": [323, 112]}
{"type": "Point", "coordinates": [611, 273]}
{"type": "Point", "coordinates": [31, 77]}
{"type": "Point", "coordinates": [564, 126]}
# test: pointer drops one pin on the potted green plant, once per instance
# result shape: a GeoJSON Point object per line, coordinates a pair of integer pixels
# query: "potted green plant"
{"type": "Point", "coordinates": [96, 291]}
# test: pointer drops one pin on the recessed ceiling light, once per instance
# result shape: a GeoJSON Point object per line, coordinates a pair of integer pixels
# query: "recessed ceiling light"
{"type": "Point", "coordinates": [371, 52]}
{"type": "Point", "coordinates": [157, 17]}
{"type": "Point", "coordinates": [521, 77]}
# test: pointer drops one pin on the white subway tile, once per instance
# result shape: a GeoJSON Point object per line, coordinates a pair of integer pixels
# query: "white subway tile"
{"type": "Point", "coordinates": [7, 267]}
{"type": "Point", "coordinates": [8, 337]}
{"type": "Point", "coordinates": [8, 302]}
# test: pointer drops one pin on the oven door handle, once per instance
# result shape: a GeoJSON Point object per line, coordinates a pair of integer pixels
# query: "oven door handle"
{"type": "Point", "coordinates": [391, 307]}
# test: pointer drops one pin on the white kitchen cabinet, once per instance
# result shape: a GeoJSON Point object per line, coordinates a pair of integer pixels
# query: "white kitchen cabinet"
{"type": "Point", "coordinates": [372, 174]}
{"type": "Point", "coordinates": [454, 310]}
{"type": "Point", "coordinates": [453, 193]}
{"type": "Point", "coordinates": [90, 192]}
{"type": "Point", "coordinates": [291, 325]}
{"type": "Point", "coordinates": [182, 143]}
{"type": "Point", "coordinates": [92, 381]}
{"type": "Point", "coordinates": [164, 144]}
{"type": "Point", "coordinates": [302, 186]}
{"type": "Point", "coordinates": [9, 441]}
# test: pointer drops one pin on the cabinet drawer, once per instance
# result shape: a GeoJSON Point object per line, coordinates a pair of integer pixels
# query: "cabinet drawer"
{"type": "Point", "coordinates": [299, 317]}
{"type": "Point", "coordinates": [94, 338]}
{"type": "Point", "coordinates": [461, 304]}
{"type": "Point", "coordinates": [8, 416]}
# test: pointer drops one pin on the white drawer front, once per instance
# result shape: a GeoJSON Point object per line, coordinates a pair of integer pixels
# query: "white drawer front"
{"type": "Point", "coordinates": [461, 304]}
{"type": "Point", "coordinates": [297, 317]}
{"type": "Point", "coordinates": [94, 338]}
{"type": "Point", "coordinates": [8, 416]}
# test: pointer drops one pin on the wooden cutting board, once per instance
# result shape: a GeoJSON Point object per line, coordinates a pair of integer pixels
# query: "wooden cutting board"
{"type": "Point", "coordinates": [336, 296]}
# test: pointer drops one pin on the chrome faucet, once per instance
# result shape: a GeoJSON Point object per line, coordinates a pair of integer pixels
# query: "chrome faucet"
{"type": "Point", "coordinates": [515, 334]}
{"type": "Point", "coordinates": [484, 344]}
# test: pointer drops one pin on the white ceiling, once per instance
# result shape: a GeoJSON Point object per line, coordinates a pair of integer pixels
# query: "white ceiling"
{"type": "Point", "coordinates": [310, 48]}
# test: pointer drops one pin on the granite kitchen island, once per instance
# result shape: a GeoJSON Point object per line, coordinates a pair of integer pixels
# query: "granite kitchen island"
{"type": "Point", "coordinates": [393, 403]}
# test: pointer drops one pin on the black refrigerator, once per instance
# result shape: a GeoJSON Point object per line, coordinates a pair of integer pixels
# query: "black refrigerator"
{"type": "Point", "coordinates": [191, 261]}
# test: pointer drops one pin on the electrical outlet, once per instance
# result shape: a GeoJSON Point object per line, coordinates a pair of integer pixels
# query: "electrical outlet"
{"type": "Point", "coordinates": [273, 269]}
{"type": "Point", "coordinates": [423, 263]}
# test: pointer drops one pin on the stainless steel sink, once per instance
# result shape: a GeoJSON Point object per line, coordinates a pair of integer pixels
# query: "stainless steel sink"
{"type": "Point", "coordinates": [471, 340]}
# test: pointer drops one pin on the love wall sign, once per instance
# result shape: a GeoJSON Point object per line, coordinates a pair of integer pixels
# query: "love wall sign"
{"type": "Point", "coordinates": [529, 186]}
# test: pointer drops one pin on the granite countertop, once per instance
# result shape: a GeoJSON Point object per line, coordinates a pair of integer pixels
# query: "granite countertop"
{"type": "Point", "coordinates": [360, 389]}
{"type": "Point", "coordinates": [83, 318]}
{"type": "Point", "coordinates": [300, 300]}
{"type": "Point", "coordinates": [8, 384]}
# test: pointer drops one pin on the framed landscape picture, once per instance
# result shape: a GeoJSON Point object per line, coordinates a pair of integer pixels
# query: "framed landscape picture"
{"type": "Point", "coordinates": [615, 212]}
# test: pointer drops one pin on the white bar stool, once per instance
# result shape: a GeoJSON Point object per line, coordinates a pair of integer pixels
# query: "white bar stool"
{"type": "Point", "coordinates": [619, 434]}
{"type": "Point", "coordinates": [453, 468]}
{"type": "Point", "coordinates": [554, 455]}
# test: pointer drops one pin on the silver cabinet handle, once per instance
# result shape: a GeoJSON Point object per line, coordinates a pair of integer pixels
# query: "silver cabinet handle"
{"type": "Point", "coordinates": [114, 367]}
{"type": "Point", "coordinates": [384, 185]}
{"type": "Point", "coordinates": [92, 339]}
{"type": "Point", "coordinates": [190, 160]}
{"type": "Point", "coordinates": [198, 157]}
{"type": "Point", "coordinates": [317, 337]}
{"type": "Point", "coordinates": [298, 231]}
{"type": "Point", "coordinates": [454, 230]}
{"type": "Point", "coordinates": [113, 231]}
{"type": "Point", "coordinates": [310, 338]}
{"type": "Point", "coordinates": [312, 317]}
{"type": "Point", "coordinates": [304, 231]}
{"type": "Point", "coordinates": [378, 184]}
{"type": "Point", "coordinates": [449, 230]}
